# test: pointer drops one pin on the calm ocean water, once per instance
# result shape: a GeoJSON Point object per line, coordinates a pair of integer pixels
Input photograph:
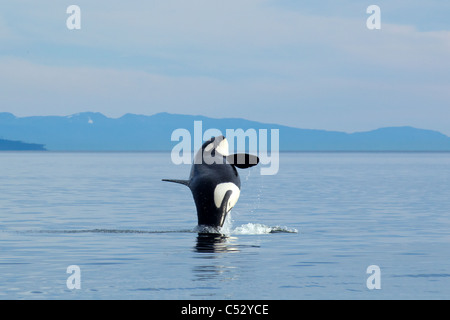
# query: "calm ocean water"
{"type": "Point", "coordinates": [133, 236]}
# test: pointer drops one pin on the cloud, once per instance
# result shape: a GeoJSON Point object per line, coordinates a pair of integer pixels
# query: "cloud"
{"type": "Point", "coordinates": [38, 89]}
{"type": "Point", "coordinates": [297, 63]}
{"type": "Point", "coordinates": [223, 38]}
{"type": "Point", "coordinates": [5, 31]}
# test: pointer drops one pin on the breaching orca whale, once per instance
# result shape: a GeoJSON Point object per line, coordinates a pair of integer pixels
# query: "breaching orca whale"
{"type": "Point", "coordinates": [214, 180]}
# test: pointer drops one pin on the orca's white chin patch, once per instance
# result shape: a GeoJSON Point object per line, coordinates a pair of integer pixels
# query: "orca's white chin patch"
{"type": "Point", "coordinates": [222, 148]}
{"type": "Point", "coordinates": [220, 191]}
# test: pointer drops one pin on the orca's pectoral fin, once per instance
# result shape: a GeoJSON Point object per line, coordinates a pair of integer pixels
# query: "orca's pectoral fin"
{"type": "Point", "coordinates": [243, 160]}
{"type": "Point", "coordinates": [185, 182]}
{"type": "Point", "coordinates": [224, 207]}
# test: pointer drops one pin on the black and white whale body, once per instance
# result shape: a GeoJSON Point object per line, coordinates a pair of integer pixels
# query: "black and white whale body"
{"type": "Point", "coordinates": [214, 180]}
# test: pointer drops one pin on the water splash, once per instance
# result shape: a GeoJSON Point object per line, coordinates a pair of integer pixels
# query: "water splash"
{"type": "Point", "coordinates": [257, 228]}
{"type": "Point", "coordinates": [251, 228]}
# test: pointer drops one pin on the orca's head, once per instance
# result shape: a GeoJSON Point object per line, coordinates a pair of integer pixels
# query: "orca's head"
{"type": "Point", "coordinates": [215, 150]}
{"type": "Point", "coordinates": [216, 145]}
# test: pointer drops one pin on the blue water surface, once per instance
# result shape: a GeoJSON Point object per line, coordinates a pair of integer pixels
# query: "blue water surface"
{"type": "Point", "coordinates": [308, 232]}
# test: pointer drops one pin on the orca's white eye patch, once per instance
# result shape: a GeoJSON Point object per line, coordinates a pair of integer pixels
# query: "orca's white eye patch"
{"type": "Point", "coordinates": [222, 148]}
{"type": "Point", "coordinates": [220, 145]}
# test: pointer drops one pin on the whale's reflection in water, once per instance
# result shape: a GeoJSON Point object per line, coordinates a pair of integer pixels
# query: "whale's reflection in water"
{"type": "Point", "coordinates": [213, 242]}
{"type": "Point", "coordinates": [213, 251]}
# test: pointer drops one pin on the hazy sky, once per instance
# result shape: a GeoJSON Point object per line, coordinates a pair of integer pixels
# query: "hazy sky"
{"type": "Point", "coordinates": [308, 64]}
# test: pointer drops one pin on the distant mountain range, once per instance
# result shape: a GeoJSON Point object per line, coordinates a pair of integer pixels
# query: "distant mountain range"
{"type": "Point", "coordinates": [89, 131]}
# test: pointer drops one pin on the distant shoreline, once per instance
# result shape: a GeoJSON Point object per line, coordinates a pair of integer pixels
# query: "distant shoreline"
{"type": "Point", "coordinates": [13, 145]}
{"type": "Point", "coordinates": [90, 131]}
